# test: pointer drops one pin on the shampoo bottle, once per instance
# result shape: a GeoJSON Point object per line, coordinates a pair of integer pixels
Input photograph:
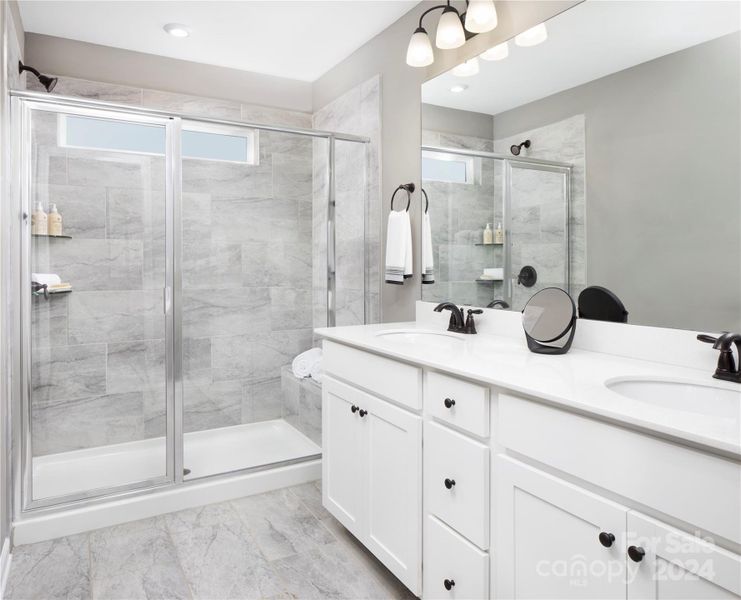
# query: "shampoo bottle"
{"type": "Point", "coordinates": [488, 234]}
{"type": "Point", "coordinates": [55, 221]}
{"type": "Point", "coordinates": [499, 235]}
{"type": "Point", "coordinates": [39, 221]}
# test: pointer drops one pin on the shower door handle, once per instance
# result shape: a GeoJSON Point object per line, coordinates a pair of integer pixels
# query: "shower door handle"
{"type": "Point", "coordinates": [166, 299]}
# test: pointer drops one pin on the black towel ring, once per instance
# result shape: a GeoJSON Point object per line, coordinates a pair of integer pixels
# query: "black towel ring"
{"type": "Point", "coordinates": [408, 188]}
{"type": "Point", "coordinates": [427, 200]}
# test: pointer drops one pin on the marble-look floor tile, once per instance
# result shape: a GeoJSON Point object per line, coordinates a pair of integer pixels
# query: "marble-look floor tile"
{"type": "Point", "coordinates": [311, 495]}
{"type": "Point", "coordinates": [48, 570]}
{"type": "Point", "coordinates": [281, 525]}
{"type": "Point", "coordinates": [136, 560]}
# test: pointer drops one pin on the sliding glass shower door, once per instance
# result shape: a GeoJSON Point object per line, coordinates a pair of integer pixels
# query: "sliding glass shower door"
{"type": "Point", "coordinates": [98, 373]}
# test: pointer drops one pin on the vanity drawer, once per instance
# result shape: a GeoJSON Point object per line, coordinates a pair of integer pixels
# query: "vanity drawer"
{"type": "Point", "coordinates": [701, 489]}
{"type": "Point", "coordinates": [449, 556]}
{"type": "Point", "coordinates": [460, 403]}
{"type": "Point", "coordinates": [384, 377]}
{"type": "Point", "coordinates": [456, 473]}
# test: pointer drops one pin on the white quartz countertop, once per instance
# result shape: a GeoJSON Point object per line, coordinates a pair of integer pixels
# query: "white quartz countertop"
{"type": "Point", "coordinates": [575, 381]}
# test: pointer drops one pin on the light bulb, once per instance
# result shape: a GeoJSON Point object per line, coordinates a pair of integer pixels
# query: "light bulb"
{"type": "Point", "coordinates": [533, 36]}
{"type": "Point", "coordinates": [450, 32]}
{"type": "Point", "coordinates": [419, 52]}
{"type": "Point", "coordinates": [481, 16]}
{"type": "Point", "coordinates": [467, 69]}
{"type": "Point", "coordinates": [498, 52]}
{"type": "Point", "coordinates": [177, 30]}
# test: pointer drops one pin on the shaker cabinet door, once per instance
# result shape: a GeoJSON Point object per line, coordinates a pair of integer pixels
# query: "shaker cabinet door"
{"type": "Point", "coordinates": [555, 540]}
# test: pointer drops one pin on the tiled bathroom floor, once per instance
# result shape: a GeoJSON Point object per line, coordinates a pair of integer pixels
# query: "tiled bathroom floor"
{"type": "Point", "coordinates": [280, 544]}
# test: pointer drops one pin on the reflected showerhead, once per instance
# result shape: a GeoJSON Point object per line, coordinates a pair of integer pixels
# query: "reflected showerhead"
{"type": "Point", "coordinates": [48, 82]}
{"type": "Point", "coordinates": [517, 148]}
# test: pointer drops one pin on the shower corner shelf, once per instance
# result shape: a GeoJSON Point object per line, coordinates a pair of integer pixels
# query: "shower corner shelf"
{"type": "Point", "coordinates": [488, 281]}
{"type": "Point", "coordinates": [48, 235]}
{"type": "Point", "coordinates": [492, 244]}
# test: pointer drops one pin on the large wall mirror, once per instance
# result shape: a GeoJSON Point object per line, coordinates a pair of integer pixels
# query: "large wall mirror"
{"type": "Point", "coordinates": [608, 154]}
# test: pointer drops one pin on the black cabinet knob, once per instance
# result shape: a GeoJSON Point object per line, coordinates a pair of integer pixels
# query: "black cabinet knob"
{"type": "Point", "coordinates": [363, 412]}
{"type": "Point", "coordinates": [449, 483]}
{"type": "Point", "coordinates": [354, 408]}
{"type": "Point", "coordinates": [606, 539]}
{"type": "Point", "coordinates": [636, 553]}
{"type": "Point", "coordinates": [449, 584]}
{"type": "Point", "coordinates": [449, 403]}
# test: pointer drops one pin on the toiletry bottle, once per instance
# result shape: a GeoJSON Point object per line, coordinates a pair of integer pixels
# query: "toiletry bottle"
{"type": "Point", "coordinates": [499, 235]}
{"type": "Point", "coordinates": [55, 221]}
{"type": "Point", "coordinates": [488, 234]}
{"type": "Point", "coordinates": [39, 220]}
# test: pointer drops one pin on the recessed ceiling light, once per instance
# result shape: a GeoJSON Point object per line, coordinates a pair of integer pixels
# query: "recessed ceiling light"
{"type": "Point", "coordinates": [177, 30]}
{"type": "Point", "coordinates": [457, 89]}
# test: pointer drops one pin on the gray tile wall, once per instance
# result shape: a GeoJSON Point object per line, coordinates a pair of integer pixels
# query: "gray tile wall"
{"type": "Point", "coordinates": [247, 277]}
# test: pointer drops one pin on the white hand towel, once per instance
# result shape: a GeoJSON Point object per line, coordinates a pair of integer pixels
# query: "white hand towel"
{"type": "Point", "coordinates": [428, 260]}
{"type": "Point", "coordinates": [398, 247]}
{"type": "Point", "coordinates": [304, 362]}
{"type": "Point", "coordinates": [48, 279]}
{"type": "Point", "coordinates": [316, 371]}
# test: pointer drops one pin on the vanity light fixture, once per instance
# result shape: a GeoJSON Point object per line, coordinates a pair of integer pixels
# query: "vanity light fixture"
{"type": "Point", "coordinates": [533, 36]}
{"type": "Point", "coordinates": [498, 52]}
{"type": "Point", "coordinates": [467, 69]}
{"type": "Point", "coordinates": [480, 16]}
{"type": "Point", "coordinates": [177, 30]}
{"type": "Point", "coordinates": [457, 89]}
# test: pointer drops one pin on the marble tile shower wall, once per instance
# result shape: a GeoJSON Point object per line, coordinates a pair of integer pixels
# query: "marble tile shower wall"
{"type": "Point", "coordinates": [358, 111]}
{"type": "Point", "coordinates": [536, 212]}
{"type": "Point", "coordinates": [247, 267]}
{"type": "Point", "coordinates": [458, 215]}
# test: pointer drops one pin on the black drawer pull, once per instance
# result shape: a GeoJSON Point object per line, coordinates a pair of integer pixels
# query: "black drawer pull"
{"type": "Point", "coordinates": [449, 584]}
{"type": "Point", "coordinates": [606, 539]}
{"type": "Point", "coordinates": [636, 553]}
{"type": "Point", "coordinates": [354, 409]}
{"type": "Point", "coordinates": [363, 412]}
{"type": "Point", "coordinates": [449, 483]}
{"type": "Point", "coordinates": [449, 403]}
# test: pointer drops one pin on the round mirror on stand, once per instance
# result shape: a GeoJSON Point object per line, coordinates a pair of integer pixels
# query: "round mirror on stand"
{"type": "Point", "coordinates": [549, 320]}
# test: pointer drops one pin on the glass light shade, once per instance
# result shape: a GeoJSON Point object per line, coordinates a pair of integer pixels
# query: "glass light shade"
{"type": "Point", "coordinates": [419, 51]}
{"type": "Point", "coordinates": [498, 52]}
{"type": "Point", "coordinates": [450, 32]}
{"type": "Point", "coordinates": [481, 16]}
{"type": "Point", "coordinates": [533, 36]}
{"type": "Point", "coordinates": [467, 69]}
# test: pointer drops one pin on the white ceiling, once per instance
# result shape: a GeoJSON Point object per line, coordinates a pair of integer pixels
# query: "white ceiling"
{"type": "Point", "coordinates": [591, 40]}
{"type": "Point", "coordinates": [294, 39]}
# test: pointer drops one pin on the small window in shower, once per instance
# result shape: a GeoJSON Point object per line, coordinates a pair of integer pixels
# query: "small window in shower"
{"type": "Point", "coordinates": [201, 141]}
{"type": "Point", "coordinates": [448, 168]}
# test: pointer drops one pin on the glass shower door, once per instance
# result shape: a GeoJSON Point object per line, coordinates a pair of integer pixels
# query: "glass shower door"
{"type": "Point", "coordinates": [98, 326]}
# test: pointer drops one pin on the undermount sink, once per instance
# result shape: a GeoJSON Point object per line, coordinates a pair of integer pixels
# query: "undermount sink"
{"type": "Point", "coordinates": [428, 338]}
{"type": "Point", "coordinates": [706, 400]}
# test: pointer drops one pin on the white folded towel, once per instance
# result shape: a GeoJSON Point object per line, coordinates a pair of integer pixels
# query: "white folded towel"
{"type": "Point", "coordinates": [398, 247]}
{"type": "Point", "coordinates": [305, 362]}
{"type": "Point", "coordinates": [428, 260]}
{"type": "Point", "coordinates": [47, 279]}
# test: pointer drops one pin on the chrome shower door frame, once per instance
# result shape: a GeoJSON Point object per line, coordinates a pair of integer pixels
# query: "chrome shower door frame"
{"type": "Point", "coordinates": [22, 110]}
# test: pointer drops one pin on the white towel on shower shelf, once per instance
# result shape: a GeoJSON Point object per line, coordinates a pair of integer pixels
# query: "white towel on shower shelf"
{"type": "Point", "coordinates": [316, 370]}
{"type": "Point", "coordinates": [398, 247]}
{"type": "Point", "coordinates": [305, 362]}
{"type": "Point", "coordinates": [428, 260]}
{"type": "Point", "coordinates": [48, 279]}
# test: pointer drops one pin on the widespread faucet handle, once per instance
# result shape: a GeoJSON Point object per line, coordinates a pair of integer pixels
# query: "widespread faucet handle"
{"type": "Point", "coordinates": [708, 339]}
{"type": "Point", "coordinates": [470, 324]}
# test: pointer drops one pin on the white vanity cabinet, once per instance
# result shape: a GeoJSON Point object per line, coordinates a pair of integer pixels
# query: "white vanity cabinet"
{"type": "Point", "coordinates": [372, 475]}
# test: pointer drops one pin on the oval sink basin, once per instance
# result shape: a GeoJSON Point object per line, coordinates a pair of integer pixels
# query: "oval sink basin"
{"type": "Point", "coordinates": [422, 337]}
{"type": "Point", "coordinates": [706, 400]}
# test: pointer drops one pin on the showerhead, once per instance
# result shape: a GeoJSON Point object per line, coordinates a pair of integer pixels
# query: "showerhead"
{"type": "Point", "coordinates": [517, 148]}
{"type": "Point", "coordinates": [48, 82]}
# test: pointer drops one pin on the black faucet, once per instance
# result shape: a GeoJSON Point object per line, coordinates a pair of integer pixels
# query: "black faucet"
{"type": "Point", "coordinates": [495, 303]}
{"type": "Point", "coordinates": [726, 369]}
{"type": "Point", "coordinates": [456, 323]}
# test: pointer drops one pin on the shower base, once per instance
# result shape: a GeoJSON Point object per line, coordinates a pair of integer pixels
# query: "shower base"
{"type": "Point", "coordinates": [207, 452]}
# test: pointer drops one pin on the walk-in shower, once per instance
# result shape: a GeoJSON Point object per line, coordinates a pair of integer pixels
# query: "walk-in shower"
{"type": "Point", "coordinates": [195, 256]}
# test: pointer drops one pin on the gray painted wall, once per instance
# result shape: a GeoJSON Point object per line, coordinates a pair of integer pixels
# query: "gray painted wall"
{"type": "Point", "coordinates": [458, 122]}
{"type": "Point", "coordinates": [663, 184]}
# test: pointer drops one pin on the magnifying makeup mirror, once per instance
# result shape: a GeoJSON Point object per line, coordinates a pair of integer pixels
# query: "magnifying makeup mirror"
{"type": "Point", "coordinates": [549, 320]}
